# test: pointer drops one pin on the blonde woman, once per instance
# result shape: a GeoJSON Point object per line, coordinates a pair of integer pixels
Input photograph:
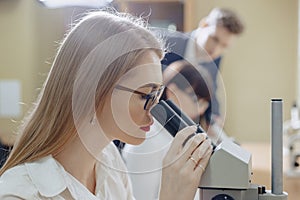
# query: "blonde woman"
{"type": "Point", "coordinates": [105, 78]}
{"type": "Point", "coordinates": [187, 86]}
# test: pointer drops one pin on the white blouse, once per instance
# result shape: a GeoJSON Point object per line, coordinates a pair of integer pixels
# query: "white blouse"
{"type": "Point", "coordinates": [149, 155]}
{"type": "Point", "coordinates": [146, 175]}
{"type": "Point", "coordinates": [47, 179]}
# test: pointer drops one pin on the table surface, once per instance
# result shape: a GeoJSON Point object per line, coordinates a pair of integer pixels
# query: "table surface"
{"type": "Point", "coordinates": [261, 167]}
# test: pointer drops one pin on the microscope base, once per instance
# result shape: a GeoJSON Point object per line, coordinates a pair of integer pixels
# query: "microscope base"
{"type": "Point", "coordinates": [270, 196]}
{"type": "Point", "coordinates": [251, 193]}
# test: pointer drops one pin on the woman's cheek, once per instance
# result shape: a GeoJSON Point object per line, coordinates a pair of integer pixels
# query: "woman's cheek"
{"type": "Point", "coordinates": [136, 111]}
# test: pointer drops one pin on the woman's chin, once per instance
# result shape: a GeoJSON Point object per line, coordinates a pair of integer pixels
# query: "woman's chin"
{"type": "Point", "coordinates": [136, 140]}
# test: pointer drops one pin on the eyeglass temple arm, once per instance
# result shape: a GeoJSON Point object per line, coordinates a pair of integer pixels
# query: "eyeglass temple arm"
{"type": "Point", "coordinates": [120, 87]}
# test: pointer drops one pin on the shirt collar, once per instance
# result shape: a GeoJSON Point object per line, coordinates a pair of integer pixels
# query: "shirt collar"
{"type": "Point", "coordinates": [49, 177]}
{"type": "Point", "coordinates": [190, 54]}
{"type": "Point", "coordinates": [44, 171]}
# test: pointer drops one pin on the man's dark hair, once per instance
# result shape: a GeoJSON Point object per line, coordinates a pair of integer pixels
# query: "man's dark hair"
{"type": "Point", "coordinates": [226, 18]}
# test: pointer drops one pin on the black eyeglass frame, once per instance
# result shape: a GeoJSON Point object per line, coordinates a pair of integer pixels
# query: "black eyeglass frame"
{"type": "Point", "coordinates": [150, 96]}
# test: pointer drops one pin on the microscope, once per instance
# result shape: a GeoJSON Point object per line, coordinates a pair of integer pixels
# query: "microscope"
{"type": "Point", "coordinates": [228, 173]}
{"type": "Point", "coordinates": [291, 134]}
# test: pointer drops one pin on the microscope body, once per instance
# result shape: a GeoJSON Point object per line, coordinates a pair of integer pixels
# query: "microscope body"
{"type": "Point", "coordinates": [228, 176]}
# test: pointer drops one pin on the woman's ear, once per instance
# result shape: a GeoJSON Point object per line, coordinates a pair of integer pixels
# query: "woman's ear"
{"type": "Point", "coordinates": [203, 105]}
{"type": "Point", "coordinates": [171, 93]}
{"type": "Point", "coordinates": [203, 23]}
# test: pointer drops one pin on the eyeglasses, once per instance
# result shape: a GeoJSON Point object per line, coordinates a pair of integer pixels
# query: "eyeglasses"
{"type": "Point", "coordinates": [150, 98]}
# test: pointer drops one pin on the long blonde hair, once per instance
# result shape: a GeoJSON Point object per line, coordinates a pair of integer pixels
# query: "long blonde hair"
{"type": "Point", "coordinates": [50, 124]}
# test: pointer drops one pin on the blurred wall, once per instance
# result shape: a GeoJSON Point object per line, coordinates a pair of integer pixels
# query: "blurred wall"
{"type": "Point", "coordinates": [262, 64]}
{"type": "Point", "coordinates": [27, 37]}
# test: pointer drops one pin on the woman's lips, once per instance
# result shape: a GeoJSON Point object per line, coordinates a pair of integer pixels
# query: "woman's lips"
{"type": "Point", "coordinates": [145, 128]}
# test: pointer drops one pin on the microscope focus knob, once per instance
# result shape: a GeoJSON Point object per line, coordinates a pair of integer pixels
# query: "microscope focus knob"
{"type": "Point", "coordinates": [261, 189]}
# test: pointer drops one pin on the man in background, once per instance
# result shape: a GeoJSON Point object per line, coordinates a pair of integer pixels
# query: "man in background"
{"type": "Point", "coordinates": [205, 46]}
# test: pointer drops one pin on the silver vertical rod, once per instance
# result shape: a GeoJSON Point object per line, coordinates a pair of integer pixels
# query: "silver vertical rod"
{"type": "Point", "coordinates": [277, 184]}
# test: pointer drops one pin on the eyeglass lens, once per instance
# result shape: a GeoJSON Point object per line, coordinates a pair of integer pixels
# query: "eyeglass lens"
{"type": "Point", "coordinates": [152, 98]}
